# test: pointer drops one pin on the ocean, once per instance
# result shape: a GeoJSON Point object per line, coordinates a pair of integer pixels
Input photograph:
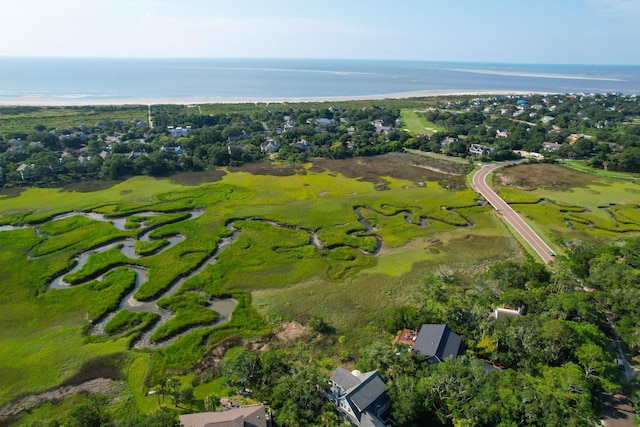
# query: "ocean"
{"type": "Point", "coordinates": [57, 79]}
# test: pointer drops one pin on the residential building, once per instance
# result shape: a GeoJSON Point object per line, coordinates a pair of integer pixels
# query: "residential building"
{"type": "Point", "coordinates": [178, 132]}
{"type": "Point", "coordinates": [447, 141]}
{"type": "Point", "coordinates": [614, 145]}
{"type": "Point", "coordinates": [248, 416]}
{"type": "Point", "coordinates": [26, 171]}
{"type": "Point", "coordinates": [269, 146]}
{"type": "Point", "coordinates": [177, 150]}
{"type": "Point", "coordinates": [497, 313]}
{"type": "Point", "coordinates": [303, 145]}
{"type": "Point", "coordinates": [551, 146]}
{"type": "Point", "coordinates": [437, 342]}
{"type": "Point", "coordinates": [479, 150]}
{"type": "Point", "coordinates": [325, 122]}
{"type": "Point", "coordinates": [237, 136]}
{"type": "Point", "coordinates": [381, 127]}
{"type": "Point", "coordinates": [361, 398]}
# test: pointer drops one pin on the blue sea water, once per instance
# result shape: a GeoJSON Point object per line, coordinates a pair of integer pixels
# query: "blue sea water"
{"type": "Point", "coordinates": [122, 79]}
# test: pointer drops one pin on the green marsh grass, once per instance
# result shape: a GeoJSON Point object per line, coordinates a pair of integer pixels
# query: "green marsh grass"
{"type": "Point", "coordinates": [126, 320]}
{"type": "Point", "coordinates": [190, 310]}
{"type": "Point", "coordinates": [275, 265]}
{"type": "Point", "coordinates": [149, 248]}
{"type": "Point", "coordinates": [63, 117]}
{"type": "Point", "coordinates": [583, 212]}
{"type": "Point", "coordinates": [75, 234]}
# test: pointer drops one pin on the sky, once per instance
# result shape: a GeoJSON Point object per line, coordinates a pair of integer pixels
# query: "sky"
{"type": "Point", "coordinates": [511, 31]}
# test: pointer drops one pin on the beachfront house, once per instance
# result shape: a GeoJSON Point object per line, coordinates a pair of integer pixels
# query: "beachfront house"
{"type": "Point", "coordinates": [361, 398]}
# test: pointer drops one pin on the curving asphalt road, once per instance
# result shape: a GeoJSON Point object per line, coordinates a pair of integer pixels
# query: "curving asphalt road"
{"type": "Point", "coordinates": [511, 216]}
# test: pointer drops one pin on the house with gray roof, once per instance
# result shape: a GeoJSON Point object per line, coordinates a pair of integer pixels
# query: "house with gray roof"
{"type": "Point", "coordinates": [361, 398]}
{"type": "Point", "coordinates": [479, 149]}
{"type": "Point", "coordinates": [437, 342]}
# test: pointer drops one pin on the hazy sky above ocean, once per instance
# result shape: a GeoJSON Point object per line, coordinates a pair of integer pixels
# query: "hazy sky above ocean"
{"type": "Point", "coordinates": [505, 31]}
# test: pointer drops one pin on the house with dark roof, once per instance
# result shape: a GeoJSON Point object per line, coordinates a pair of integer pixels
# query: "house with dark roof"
{"type": "Point", "coordinates": [248, 416]}
{"type": "Point", "coordinates": [479, 149]}
{"type": "Point", "coordinates": [437, 342]}
{"type": "Point", "coordinates": [361, 398]}
{"type": "Point", "coordinates": [303, 145]}
{"type": "Point", "coordinates": [237, 135]}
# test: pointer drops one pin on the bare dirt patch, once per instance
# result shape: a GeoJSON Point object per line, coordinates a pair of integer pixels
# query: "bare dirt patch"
{"type": "Point", "coordinates": [10, 193]}
{"type": "Point", "coordinates": [546, 176]}
{"type": "Point", "coordinates": [292, 331]}
{"type": "Point", "coordinates": [397, 165]}
{"type": "Point", "coordinates": [95, 386]}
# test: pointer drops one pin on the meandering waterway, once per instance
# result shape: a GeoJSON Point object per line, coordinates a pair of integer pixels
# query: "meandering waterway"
{"type": "Point", "coordinates": [223, 306]}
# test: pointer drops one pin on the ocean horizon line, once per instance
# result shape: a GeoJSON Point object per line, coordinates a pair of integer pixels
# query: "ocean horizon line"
{"type": "Point", "coordinates": [284, 58]}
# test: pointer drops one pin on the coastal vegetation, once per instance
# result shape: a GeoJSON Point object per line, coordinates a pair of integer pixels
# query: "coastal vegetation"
{"type": "Point", "coordinates": [50, 146]}
{"type": "Point", "coordinates": [254, 279]}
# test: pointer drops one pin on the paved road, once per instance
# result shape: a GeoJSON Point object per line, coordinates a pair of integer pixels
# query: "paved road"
{"type": "Point", "coordinates": [511, 216]}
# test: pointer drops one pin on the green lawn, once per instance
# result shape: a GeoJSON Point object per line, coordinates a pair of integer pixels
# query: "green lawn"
{"type": "Point", "coordinates": [416, 123]}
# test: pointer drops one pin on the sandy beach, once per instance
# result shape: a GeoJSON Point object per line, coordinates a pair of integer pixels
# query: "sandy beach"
{"type": "Point", "coordinates": [61, 102]}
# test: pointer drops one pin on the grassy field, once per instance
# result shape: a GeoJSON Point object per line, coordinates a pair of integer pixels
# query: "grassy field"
{"type": "Point", "coordinates": [63, 117]}
{"type": "Point", "coordinates": [416, 123]}
{"type": "Point", "coordinates": [300, 250]}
